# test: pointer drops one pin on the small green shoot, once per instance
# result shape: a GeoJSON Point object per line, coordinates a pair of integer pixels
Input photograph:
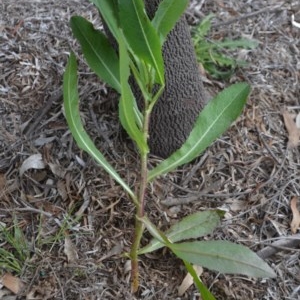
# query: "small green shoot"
{"type": "Point", "coordinates": [213, 55]}
{"type": "Point", "coordinates": [14, 250]}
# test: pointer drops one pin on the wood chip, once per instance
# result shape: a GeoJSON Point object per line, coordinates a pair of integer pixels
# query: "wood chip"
{"type": "Point", "coordinates": [70, 249]}
{"type": "Point", "coordinates": [188, 281]}
{"type": "Point", "coordinates": [293, 130]}
{"type": "Point", "coordinates": [295, 224]}
{"type": "Point", "coordinates": [34, 161]}
{"type": "Point", "coordinates": [14, 284]}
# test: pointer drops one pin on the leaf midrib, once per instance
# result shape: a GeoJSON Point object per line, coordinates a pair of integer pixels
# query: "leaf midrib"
{"type": "Point", "coordinates": [100, 59]}
{"type": "Point", "coordinates": [152, 174]}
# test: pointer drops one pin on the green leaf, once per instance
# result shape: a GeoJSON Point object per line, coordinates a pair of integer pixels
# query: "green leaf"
{"type": "Point", "coordinates": [127, 102]}
{"type": "Point", "coordinates": [214, 120]}
{"type": "Point", "coordinates": [9, 262]}
{"type": "Point", "coordinates": [219, 72]}
{"type": "Point", "coordinates": [71, 106]}
{"type": "Point", "coordinates": [211, 54]}
{"type": "Point", "coordinates": [205, 293]}
{"type": "Point", "coordinates": [154, 231]}
{"type": "Point", "coordinates": [167, 14]}
{"type": "Point", "coordinates": [141, 35]}
{"type": "Point", "coordinates": [13, 260]}
{"type": "Point", "coordinates": [109, 13]}
{"type": "Point", "coordinates": [224, 257]}
{"type": "Point", "coordinates": [19, 242]}
{"type": "Point", "coordinates": [203, 28]}
{"type": "Point", "coordinates": [191, 227]}
{"type": "Point", "coordinates": [98, 52]}
{"type": "Point", "coordinates": [222, 60]}
{"type": "Point", "coordinates": [234, 44]}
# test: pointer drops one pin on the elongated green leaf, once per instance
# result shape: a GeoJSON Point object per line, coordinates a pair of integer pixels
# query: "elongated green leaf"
{"type": "Point", "coordinates": [109, 12]}
{"type": "Point", "coordinates": [234, 44]}
{"type": "Point", "coordinates": [202, 29]}
{"type": "Point", "coordinates": [167, 14]}
{"type": "Point", "coordinates": [191, 227]}
{"type": "Point", "coordinates": [205, 293]}
{"type": "Point", "coordinates": [215, 119]}
{"type": "Point", "coordinates": [9, 262]}
{"type": "Point", "coordinates": [224, 257]}
{"type": "Point", "coordinates": [98, 52]}
{"type": "Point", "coordinates": [154, 231]}
{"type": "Point", "coordinates": [127, 102]}
{"type": "Point", "coordinates": [71, 106]}
{"type": "Point", "coordinates": [141, 35]}
{"type": "Point", "coordinates": [19, 242]}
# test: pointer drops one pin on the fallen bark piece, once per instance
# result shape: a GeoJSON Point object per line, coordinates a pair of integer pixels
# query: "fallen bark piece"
{"type": "Point", "coordinates": [12, 283]}
{"type": "Point", "coordinates": [287, 243]}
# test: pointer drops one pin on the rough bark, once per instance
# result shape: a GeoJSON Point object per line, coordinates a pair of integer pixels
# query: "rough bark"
{"type": "Point", "coordinates": [175, 112]}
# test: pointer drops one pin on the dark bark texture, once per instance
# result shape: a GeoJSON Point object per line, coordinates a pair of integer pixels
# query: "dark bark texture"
{"type": "Point", "coordinates": [176, 110]}
{"type": "Point", "coordinates": [175, 113]}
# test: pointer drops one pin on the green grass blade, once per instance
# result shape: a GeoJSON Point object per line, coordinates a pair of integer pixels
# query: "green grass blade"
{"type": "Point", "coordinates": [19, 242]}
{"type": "Point", "coordinates": [141, 35]}
{"type": "Point", "coordinates": [127, 102]}
{"type": "Point", "coordinates": [191, 227]}
{"type": "Point", "coordinates": [214, 120]}
{"type": "Point", "coordinates": [9, 262]}
{"type": "Point", "coordinates": [223, 256]}
{"type": "Point", "coordinates": [205, 293]}
{"type": "Point", "coordinates": [98, 52]}
{"type": "Point", "coordinates": [167, 14]}
{"type": "Point", "coordinates": [71, 106]}
{"type": "Point", "coordinates": [14, 259]}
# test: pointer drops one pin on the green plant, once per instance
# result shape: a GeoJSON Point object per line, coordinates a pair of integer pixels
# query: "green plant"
{"type": "Point", "coordinates": [213, 54]}
{"type": "Point", "coordinates": [13, 258]}
{"type": "Point", "coordinates": [140, 43]}
{"type": "Point", "coordinates": [67, 222]}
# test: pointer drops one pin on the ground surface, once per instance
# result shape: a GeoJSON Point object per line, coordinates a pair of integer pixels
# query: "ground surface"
{"type": "Point", "coordinates": [65, 197]}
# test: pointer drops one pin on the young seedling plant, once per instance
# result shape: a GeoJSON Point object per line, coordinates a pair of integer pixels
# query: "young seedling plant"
{"type": "Point", "coordinates": [213, 54]}
{"type": "Point", "coordinates": [140, 42]}
{"type": "Point", "coordinates": [18, 252]}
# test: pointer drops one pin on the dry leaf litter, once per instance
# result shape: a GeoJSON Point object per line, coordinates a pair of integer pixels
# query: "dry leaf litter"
{"type": "Point", "coordinates": [77, 221]}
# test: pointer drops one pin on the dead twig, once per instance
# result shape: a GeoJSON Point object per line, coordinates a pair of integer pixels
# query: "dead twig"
{"type": "Point", "coordinates": [29, 209]}
{"type": "Point", "coordinates": [268, 9]}
{"type": "Point", "coordinates": [284, 244]}
{"type": "Point", "coordinates": [197, 198]}
{"type": "Point", "coordinates": [38, 116]}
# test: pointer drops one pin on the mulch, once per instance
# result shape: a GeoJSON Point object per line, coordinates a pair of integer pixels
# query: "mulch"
{"type": "Point", "coordinates": [78, 221]}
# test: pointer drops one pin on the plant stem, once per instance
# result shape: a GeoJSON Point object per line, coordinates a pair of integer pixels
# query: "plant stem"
{"type": "Point", "coordinates": [140, 204]}
{"type": "Point", "coordinates": [139, 226]}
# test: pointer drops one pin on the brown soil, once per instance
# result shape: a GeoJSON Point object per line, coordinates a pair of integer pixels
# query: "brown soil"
{"type": "Point", "coordinates": [65, 201]}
